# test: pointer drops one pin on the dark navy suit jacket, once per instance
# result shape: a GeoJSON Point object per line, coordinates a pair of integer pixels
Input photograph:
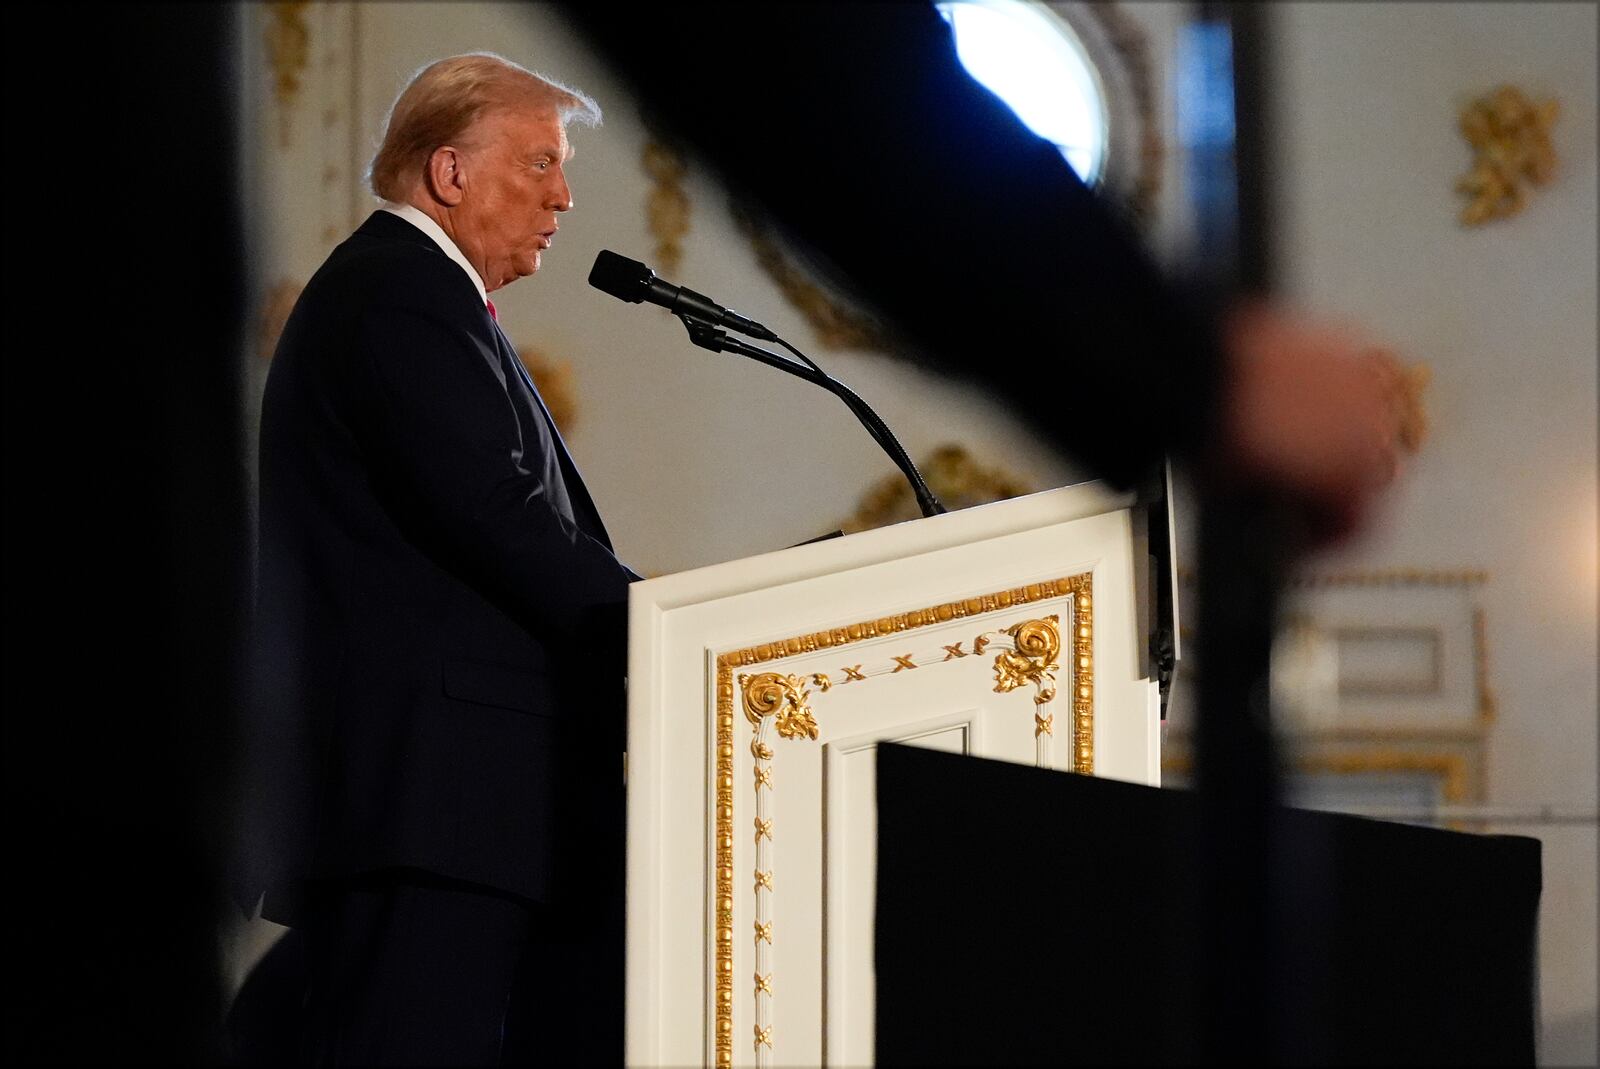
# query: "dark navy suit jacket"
{"type": "Point", "coordinates": [439, 610]}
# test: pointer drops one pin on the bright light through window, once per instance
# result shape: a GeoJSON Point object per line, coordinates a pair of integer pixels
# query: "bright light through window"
{"type": "Point", "coordinates": [1030, 59]}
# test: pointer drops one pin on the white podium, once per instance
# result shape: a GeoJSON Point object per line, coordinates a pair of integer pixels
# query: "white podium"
{"type": "Point", "coordinates": [757, 692]}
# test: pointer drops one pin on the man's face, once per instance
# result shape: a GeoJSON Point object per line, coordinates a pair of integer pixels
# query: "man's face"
{"type": "Point", "coordinates": [513, 186]}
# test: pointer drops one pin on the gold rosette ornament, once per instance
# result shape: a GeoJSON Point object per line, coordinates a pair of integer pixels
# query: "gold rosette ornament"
{"type": "Point", "coordinates": [770, 693]}
{"type": "Point", "coordinates": [1033, 660]}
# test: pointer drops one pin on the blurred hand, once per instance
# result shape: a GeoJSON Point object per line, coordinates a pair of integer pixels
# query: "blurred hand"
{"type": "Point", "coordinates": [1311, 415]}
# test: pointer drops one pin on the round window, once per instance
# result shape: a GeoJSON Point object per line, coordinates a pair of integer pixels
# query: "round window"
{"type": "Point", "coordinates": [1077, 73]}
{"type": "Point", "coordinates": [1033, 60]}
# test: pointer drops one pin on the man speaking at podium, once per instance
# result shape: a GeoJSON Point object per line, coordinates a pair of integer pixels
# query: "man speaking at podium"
{"type": "Point", "coordinates": [428, 791]}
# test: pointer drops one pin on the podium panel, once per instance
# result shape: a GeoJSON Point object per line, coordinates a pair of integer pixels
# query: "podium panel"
{"type": "Point", "coordinates": [758, 693]}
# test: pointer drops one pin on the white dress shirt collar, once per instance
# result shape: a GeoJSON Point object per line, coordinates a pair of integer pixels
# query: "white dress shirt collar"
{"type": "Point", "coordinates": [419, 219]}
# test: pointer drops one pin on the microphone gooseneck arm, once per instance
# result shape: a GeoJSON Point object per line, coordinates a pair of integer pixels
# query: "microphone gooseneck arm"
{"type": "Point", "coordinates": [710, 336]}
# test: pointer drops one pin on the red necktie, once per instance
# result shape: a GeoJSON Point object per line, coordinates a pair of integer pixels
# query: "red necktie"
{"type": "Point", "coordinates": [490, 303]}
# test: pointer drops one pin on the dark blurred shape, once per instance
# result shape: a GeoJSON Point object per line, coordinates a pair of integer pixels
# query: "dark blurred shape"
{"type": "Point", "coordinates": [866, 142]}
{"type": "Point", "coordinates": [1236, 996]}
{"type": "Point", "coordinates": [1076, 943]}
{"type": "Point", "coordinates": [124, 530]}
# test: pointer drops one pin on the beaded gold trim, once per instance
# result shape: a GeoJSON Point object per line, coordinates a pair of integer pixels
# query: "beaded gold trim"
{"type": "Point", "coordinates": [771, 696]}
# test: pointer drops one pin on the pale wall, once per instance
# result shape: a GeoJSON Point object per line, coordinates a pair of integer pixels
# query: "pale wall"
{"type": "Point", "coordinates": [1505, 315]}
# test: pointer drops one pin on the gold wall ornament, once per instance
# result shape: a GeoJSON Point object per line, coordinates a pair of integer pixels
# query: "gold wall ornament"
{"type": "Point", "coordinates": [955, 477]}
{"type": "Point", "coordinates": [1127, 66]}
{"type": "Point", "coordinates": [275, 308]}
{"type": "Point", "coordinates": [763, 695]}
{"type": "Point", "coordinates": [1452, 769]}
{"type": "Point", "coordinates": [835, 325]}
{"type": "Point", "coordinates": [1405, 386]}
{"type": "Point", "coordinates": [1510, 138]}
{"type": "Point", "coordinates": [1488, 707]}
{"type": "Point", "coordinates": [288, 53]}
{"type": "Point", "coordinates": [1383, 577]}
{"type": "Point", "coordinates": [1413, 416]}
{"type": "Point", "coordinates": [556, 383]}
{"type": "Point", "coordinates": [667, 206]}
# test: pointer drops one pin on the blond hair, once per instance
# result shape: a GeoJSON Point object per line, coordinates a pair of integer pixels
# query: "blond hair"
{"type": "Point", "coordinates": [444, 99]}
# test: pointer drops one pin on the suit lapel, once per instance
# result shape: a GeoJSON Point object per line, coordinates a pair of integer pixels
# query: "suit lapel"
{"type": "Point", "coordinates": [576, 490]}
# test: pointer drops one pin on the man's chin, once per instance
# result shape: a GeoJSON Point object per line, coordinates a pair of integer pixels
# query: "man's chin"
{"type": "Point", "coordinates": [518, 269]}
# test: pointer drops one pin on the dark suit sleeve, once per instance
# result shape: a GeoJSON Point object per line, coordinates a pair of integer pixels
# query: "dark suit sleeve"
{"type": "Point", "coordinates": [443, 440]}
{"type": "Point", "coordinates": [857, 129]}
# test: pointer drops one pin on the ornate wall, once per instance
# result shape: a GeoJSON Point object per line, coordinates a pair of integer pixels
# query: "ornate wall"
{"type": "Point", "coordinates": [685, 451]}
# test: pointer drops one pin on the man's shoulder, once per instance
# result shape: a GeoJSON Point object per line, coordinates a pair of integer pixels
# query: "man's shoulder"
{"type": "Point", "coordinates": [382, 266]}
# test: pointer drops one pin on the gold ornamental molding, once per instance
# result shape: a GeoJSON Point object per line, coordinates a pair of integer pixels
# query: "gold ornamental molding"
{"type": "Point", "coordinates": [1488, 706]}
{"type": "Point", "coordinates": [1451, 769]}
{"type": "Point", "coordinates": [779, 700]}
{"type": "Point", "coordinates": [1131, 46]}
{"type": "Point", "coordinates": [1026, 653]}
{"type": "Point", "coordinates": [276, 304]}
{"type": "Point", "coordinates": [1465, 577]}
{"type": "Point", "coordinates": [1510, 138]}
{"type": "Point", "coordinates": [1472, 733]}
{"type": "Point", "coordinates": [556, 383]}
{"type": "Point", "coordinates": [288, 40]}
{"type": "Point", "coordinates": [1380, 577]}
{"type": "Point", "coordinates": [1454, 770]}
{"type": "Point", "coordinates": [1032, 659]}
{"type": "Point", "coordinates": [770, 693]}
{"type": "Point", "coordinates": [1405, 385]}
{"type": "Point", "coordinates": [667, 205]}
{"type": "Point", "coordinates": [955, 476]}
{"type": "Point", "coordinates": [835, 325]}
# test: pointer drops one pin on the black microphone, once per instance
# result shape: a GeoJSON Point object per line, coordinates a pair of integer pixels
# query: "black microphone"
{"type": "Point", "coordinates": [630, 280]}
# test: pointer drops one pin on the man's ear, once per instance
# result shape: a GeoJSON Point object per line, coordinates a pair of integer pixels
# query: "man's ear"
{"type": "Point", "coordinates": [446, 183]}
